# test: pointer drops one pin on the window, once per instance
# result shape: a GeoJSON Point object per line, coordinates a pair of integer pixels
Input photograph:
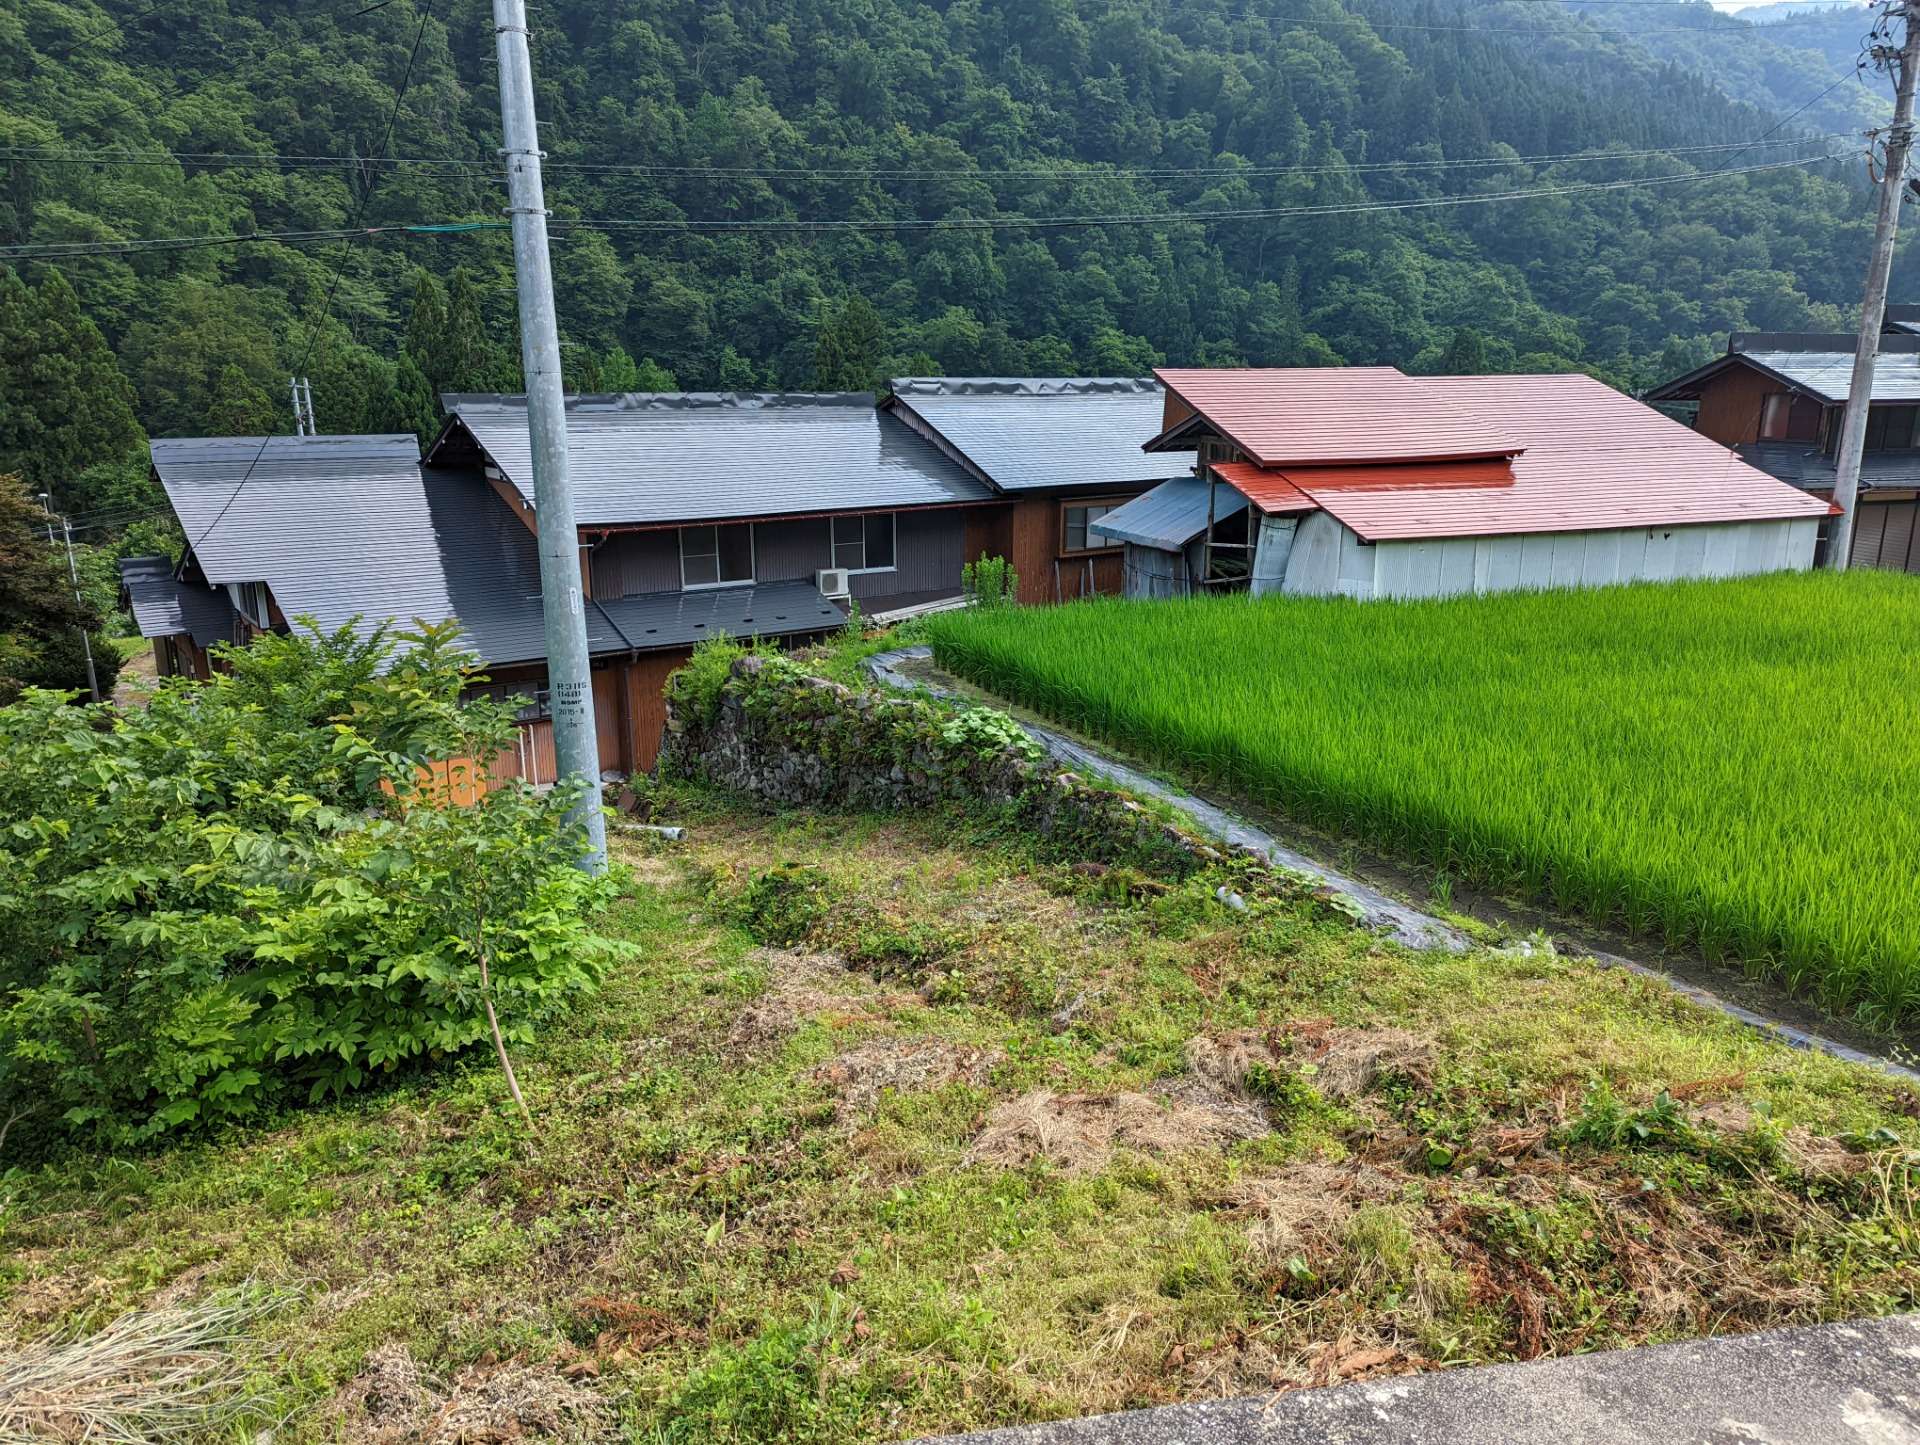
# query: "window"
{"type": "Point", "coordinates": [1890, 428]}
{"type": "Point", "coordinates": [1788, 417]}
{"type": "Point", "coordinates": [716, 556]}
{"type": "Point", "coordinates": [864, 544]}
{"type": "Point", "coordinates": [1074, 522]}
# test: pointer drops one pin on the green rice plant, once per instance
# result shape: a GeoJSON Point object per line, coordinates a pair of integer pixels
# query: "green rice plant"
{"type": "Point", "coordinates": [1729, 767]}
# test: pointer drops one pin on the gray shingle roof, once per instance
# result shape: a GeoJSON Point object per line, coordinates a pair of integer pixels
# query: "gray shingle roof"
{"type": "Point", "coordinates": [692, 457]}
{"type": "Point", "coordinates": [164, 607]}
{"type": "Point", "coordinates": [1811, 469]}
{"type": "Point", "coordinates": [1169, 516]}
{"type": "Point", "coordinates": [1046, 433]}
{"type": "Point", "coordinates": [339, 530]}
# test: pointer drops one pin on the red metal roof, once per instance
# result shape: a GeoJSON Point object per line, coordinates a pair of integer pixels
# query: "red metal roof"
{"type": "Point", "coordinates": [1594, 460]}
{"type": "Point", "coordinates": [1330, 415]}
{"type": "Point", "coordinates": [1271, 492]}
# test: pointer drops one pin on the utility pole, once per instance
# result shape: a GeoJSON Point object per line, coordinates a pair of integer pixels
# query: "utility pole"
{"type": "Point", "coordinates": [569, 676]}
{"type": "Point", "coordinates": [73, 575]}
{"type": "Point", "coordinates": [1905, 62]}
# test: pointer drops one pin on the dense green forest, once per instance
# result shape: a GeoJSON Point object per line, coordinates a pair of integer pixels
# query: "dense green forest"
{"type": "Point", "coordinates": [684, 136]}
{"type": "Point", "coordinates": [1800, 62]}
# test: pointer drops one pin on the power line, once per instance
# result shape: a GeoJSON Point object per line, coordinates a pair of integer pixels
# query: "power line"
{"type": "Point", "coordinates": [59, 251]}
{"type": "Point", "coordinates": [115, 27]}
{"type": "Point", "coordinates": [50, 155]}
{"type": "Point", "coordinates": [1151, 218]}
{"type": "Point", "coordinates": [326, 306]}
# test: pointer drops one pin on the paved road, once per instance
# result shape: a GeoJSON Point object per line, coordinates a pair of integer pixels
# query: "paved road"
{"type": "Point", "coordinates": [1851, 1384]}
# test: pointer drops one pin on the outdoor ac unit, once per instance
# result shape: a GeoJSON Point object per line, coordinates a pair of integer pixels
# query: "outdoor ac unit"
{"type": "Point", "coordinates": [832, 581]}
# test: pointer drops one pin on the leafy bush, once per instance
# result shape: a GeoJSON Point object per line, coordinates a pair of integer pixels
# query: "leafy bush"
{"type": "Point", "coordinates": [780, 906]}
{"type": "Point", "coordinates": [212, 905]}
{"type": "Point", "coordinates": [989, 582]}
{"type": "Point", "coordinates": [988, 732]}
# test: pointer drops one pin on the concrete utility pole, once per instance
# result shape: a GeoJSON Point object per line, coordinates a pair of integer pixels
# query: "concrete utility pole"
{"type": "Point", "coordinates": [73, 575]}
{"type": "Point", "coordinates": [569, 676]}
{"type": "Point", "coordinates": [1905, 62]}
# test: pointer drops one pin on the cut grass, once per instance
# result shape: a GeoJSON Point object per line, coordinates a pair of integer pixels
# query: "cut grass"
{"type": "Point", "coordinates": [1726, 766]}
{"type": "Point", "coordinates": [723, 1231]}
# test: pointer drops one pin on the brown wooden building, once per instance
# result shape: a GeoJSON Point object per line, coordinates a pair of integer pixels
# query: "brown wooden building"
{"type": "Point", "coordinates": [1778, 399]}
{"type": "Point", "coordinates": [1060, 452]}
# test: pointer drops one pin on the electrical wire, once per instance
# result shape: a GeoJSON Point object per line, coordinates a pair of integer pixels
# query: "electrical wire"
{"type": "Point", "coordinates": [61, 251]}
{"type": "Point", "coordinates": [49, 155]}
{"type": "Point", "coordinates": [346, 251]}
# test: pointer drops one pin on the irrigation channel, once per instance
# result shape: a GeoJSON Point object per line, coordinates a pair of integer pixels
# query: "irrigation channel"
{"type": "Point", "coordinates": [912, 669]}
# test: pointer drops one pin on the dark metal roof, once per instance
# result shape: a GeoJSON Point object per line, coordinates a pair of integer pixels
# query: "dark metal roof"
{"type": "Point", "coordinates": [165, 607]}
{"type": "Point", "coordinates": [1044, 433]}
{"type": "Point", "coordinates": [1169, 516]}
{"type": "Point", "coordinates": [1811, 469]}
{"type": "Point", "coordinates": [345, 527]}
{"type": "Point", "coordinates": [340, 531]}
{"type": "Point", "coordinates": [678, 619]}
{"type": "Point", "coordinates": [691, 457]}
{"type": "Point", "coordinates": [1815, 363]}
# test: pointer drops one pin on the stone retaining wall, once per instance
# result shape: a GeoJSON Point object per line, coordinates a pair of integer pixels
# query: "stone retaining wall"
{"type": "Point", "coordinates": [789, 739]}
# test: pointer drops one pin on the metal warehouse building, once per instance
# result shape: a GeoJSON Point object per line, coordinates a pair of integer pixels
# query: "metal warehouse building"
{"type": "Point", "coordinates": [1367, 483]}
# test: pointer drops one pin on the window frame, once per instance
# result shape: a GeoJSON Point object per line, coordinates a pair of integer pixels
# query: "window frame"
{"type": "Point", "coordinates": [1105, 504]}
{"type": "Point", "coordinates": [834, 544]}
{"type": "Point", "coordinates": [753, 556]}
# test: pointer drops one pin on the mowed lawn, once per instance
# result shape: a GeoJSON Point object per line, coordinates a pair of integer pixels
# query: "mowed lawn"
{"type": "Point", "coordinates": [1725, 766]}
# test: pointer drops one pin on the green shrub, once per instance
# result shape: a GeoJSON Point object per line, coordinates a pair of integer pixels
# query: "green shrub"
{"type": "Point", "coordinates": [987, 733]}
{"type": "Point", "coordinates": [210, 905]}
{"type": "Point", "coordinates": [780, 906]}
{"type": "Point", "coordinates": [694, 688]}
{"type": "Point", "coordinates": [990, 582]}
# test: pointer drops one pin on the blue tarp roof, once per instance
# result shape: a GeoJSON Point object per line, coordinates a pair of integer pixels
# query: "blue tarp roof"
{"type": "Point", "coordinates": [1169, 516]}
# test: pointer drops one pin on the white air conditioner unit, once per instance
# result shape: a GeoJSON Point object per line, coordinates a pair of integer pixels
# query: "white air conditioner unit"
{"type": "Point", "coordinates": [832, 581]}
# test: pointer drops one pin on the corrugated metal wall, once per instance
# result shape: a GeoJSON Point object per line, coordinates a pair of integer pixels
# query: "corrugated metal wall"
{"type": "Point", "coordinates": [1324, 562]}
{"type": "Point", "coordinates": [628, 564]}
{"type": "Point", "coordinates": [1887, 534]}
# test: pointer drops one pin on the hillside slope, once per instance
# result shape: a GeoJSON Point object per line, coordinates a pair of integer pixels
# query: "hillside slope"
{"type": "Point", "coordinates": [966, 113]}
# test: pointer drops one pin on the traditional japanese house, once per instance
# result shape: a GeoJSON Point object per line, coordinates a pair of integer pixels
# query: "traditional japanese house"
{"type": "Point", "coordinates": [1778, 399]}
{"type": "Point", "coordinates": [698, 516]}
{"type": "Point", "coordinates": [1365, 482]}
{"type": "Point", "coordinates": [1061, 452]}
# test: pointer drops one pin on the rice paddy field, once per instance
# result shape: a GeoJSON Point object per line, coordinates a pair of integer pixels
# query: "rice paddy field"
{"type": "Point", "coordinates": [1731, 767]}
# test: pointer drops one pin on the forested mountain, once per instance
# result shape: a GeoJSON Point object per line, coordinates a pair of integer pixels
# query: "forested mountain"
{"type": "Point", "coordinates": [1791, 59]}
{"type": "Point", "coordinates": [691, 133]}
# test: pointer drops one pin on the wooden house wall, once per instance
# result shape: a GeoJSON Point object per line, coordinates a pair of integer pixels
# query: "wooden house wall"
{"type": "Point", "coordinates": [1731, 405]}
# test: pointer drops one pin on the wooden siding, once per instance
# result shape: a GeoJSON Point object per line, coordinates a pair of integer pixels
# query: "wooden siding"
{"type": "Point", "coordinates": [516, 503]}
{"type": "Point", "coordinates": [1732, 403]}
{"type": "Point", "coordinates": [646, 681]}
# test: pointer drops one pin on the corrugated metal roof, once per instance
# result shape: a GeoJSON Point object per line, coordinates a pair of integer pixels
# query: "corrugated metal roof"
{"type": "Point", "coordinates": [1169, 516]}
{"type": "Point", "coordinates": [164, 607]}
{"type": "Point", "coordinates": [689, 457]}
{"type": "Point", "coordinates": [677, 619]}
{"type": "Point", "coordinates": [1594, 460]}
{"type": "Point", "coordinates": [1811, 469]}
{"type": "Point", "coordinates": [1045, 433]}
{"type": "Point", "coordinates": [1271, 492]}
{"type": "Point", "coordinates": [1329, 416]}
